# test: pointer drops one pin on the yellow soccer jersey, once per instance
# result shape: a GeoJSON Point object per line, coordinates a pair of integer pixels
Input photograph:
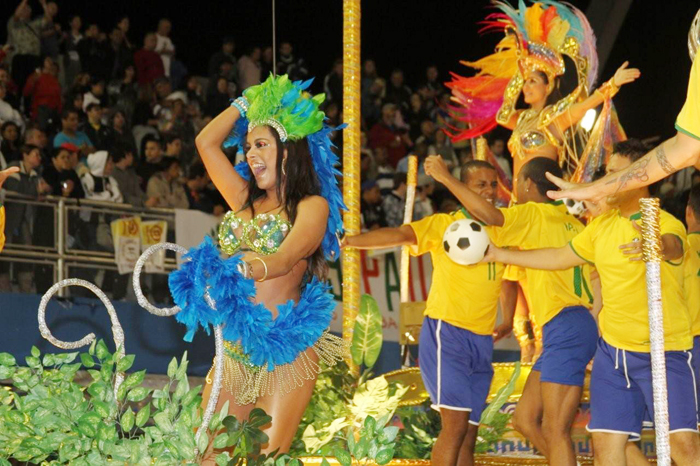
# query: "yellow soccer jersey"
{"type": "Point", "coordinates": [691, 282]}
{"type": "Point", "coordinates": [624, 319]}
{"type": "Point", "coordinates": [464, 296]}
{"type": "Point", "coordinates": [688, 121]}
{"type": "Point", "coordinates": [2, 227]}
{"type": "Point", "coordinates": [536, 225]}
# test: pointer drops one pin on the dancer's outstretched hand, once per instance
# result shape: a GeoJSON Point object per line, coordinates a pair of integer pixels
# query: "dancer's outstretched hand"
{"type": "Point", "coordinates": [575, 191]}
{"type": "Point", "coordinates": [625, 75]}
{"type": "Point", "coordinates": [5, 174]}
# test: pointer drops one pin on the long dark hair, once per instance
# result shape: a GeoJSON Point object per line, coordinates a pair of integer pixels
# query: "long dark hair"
{"type": "Point", "coordinates": [301, 182]}
{"type": "Point", "coordinates": [553, 97]}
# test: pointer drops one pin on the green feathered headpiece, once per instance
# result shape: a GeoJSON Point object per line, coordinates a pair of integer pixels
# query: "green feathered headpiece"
{"type": "Point", "coordinates": [286, 106]}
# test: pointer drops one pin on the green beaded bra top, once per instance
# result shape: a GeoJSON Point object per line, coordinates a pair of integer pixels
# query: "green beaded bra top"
{"type": "Point", "coordinates": [262, 234]}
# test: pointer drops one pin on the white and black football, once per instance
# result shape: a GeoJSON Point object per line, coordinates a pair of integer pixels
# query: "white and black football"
{"type": "Point", "coordinates": [465, 241]}
{"type": "Point", "coordinates": [575, 208]}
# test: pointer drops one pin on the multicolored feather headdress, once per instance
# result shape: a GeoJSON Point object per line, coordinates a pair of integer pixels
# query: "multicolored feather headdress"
{"type": "Point", "coordinates": [294, 114]}
{"type": "Point", "coordinates": [537, 38]}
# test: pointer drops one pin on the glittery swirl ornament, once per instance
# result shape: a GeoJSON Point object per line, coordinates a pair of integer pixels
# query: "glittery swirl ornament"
{"type": "Point", "coordinates": [218, 331]}
{"type": "Point", "coordinates": [651, 254]}
{"type": "Point", "coordinates": [117, 331]}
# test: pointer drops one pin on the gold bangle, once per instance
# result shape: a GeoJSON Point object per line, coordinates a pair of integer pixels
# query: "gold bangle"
{"type": "Point", "coordinates": [608, 89]}
{"type": "Point", "coordinates": [264, 277]}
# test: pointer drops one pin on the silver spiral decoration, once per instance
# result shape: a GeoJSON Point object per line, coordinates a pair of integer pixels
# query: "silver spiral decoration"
{"type": "Point", "coordinates": [142, 300]}
{"type": "Point", "coordinates": [694, 37]}
{"type": "Point", "coordinates": [117, 331]}
{"type": "Point", "coordinates": [167, 312]}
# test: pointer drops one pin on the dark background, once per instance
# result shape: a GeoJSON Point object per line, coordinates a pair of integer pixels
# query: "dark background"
{"type": "Point", "coordinates": [408, 34]}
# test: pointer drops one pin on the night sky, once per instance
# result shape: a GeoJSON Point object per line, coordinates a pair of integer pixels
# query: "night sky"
{"type": "Point", "coordinates": [410, 34]}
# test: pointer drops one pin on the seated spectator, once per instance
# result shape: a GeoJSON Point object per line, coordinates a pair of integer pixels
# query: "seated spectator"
{"type": "Point", "coordinates": [249, 72]}
{"type": "Point", "coordinates": [167, 187]}
{"type": "Point", "coordinates": [102, 136]}
{"type": "Point", "coordinates": [430, 89]}
{"type": "Point", "coordinates": [123, 91]}
{"type": "Point", "coordinates": [61, 176]}
{"type": "Point", "coordinates": [397, 92]}
{"type": "Point", "coordinates": [198, 194]}
{"type": "Point", "coordinates": [7, 112]}
{"type": "Point", "coordinates": [118, 54]}
{"type": "Point", "coordinates": [195, 99]}
{"type": "Point", "coordinates": [44, 90]}
{"type": "Point", "coordinates": [424, 204]}
{"type": "Point", "coordinates": [415, 115]}
{"type": "Point", "coordinates": [394, 203]}
{"type": "Point", "coordinates": [427, 133]}
{"type": "Point", "coordinates": [69, 133]}
{"type": "Point", "coordinates": [218, 98]}
{"type": "Point", "coordinates": [266, 62]}
{"type": "Point", "coordinates": [9, 147]}
{"type": "Point", "coordinates": [96, 94]}
{"type": "Point", "coordinates": [122, 133]}
{"type": "Point", "coordinates": [151, 162]}
{"type": "Point", "coordinates": [11, 91]}
{"type": "Point", "coordinates": [420, 150]}
{"type": "Point", "coordinates": [373, 215]}
{"type": "Point", "coordinates": [149, 65]}
{"type": "Point", "coordinates": [333, 82]}
{"type": "Point", "coordinates": [385, 134]}
{"type": "Point", "coordinates": [443, 147]}
{"type": "Point", "coordinates": [127, 179]}
{"type": "Point", "coordinates": [228, 46]}
{"type": "Point", "coordinates": [98, 183]}
{"type": "Point", "coordinates": [385, 172]}
{"type": "Point", "coordinates": [173, 146]}
{"type": "Point", "coordinates": [288, 64]}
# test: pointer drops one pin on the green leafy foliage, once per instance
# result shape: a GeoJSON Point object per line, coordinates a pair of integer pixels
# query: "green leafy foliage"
{"type": "Point", "coordinates": [46, 417]}
{"type": "Point", "coordinates": [367, 335]}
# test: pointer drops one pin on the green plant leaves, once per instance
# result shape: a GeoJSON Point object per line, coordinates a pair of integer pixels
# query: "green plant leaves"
{"type": "Point", "coordinates": [367, 334]}
{"type": "Point", "coordinates": [137, 394]}
{"type": "Point", "coordinates": [343, 457]}
{"type": "Point", "coordinates": [384, 456]}
{"type": "Point", "coordinates": [143, 415]}
{"type": "Point", "coordinates": [135, 379]}
{"type": "Point", "coordinates": [6, 359]}
{"type": "Point", "coordinates": [127, 420]}
{"type": "Point", "coordinates": [125, 363]}
{"type": "Point", "coordinates": [87, 360]}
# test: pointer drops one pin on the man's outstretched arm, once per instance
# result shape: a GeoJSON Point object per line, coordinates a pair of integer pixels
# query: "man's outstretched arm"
{"type": "Point", "coordinates": [382, 238]}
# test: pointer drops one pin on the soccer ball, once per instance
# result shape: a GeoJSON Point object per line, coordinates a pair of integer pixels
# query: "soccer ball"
{"type": "Point", "coordinates": [575, 208]}
{"type": "Point", "coordinates": [465, 242]}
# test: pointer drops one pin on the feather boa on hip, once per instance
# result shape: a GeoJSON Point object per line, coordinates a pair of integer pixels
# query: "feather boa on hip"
{"type": "Point", "coordinates": [265, 342]}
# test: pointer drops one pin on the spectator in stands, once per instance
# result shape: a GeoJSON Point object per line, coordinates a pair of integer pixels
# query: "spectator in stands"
{"type": "Point", "coordinates": [11, 90]}
{"type": "Point", "coordinates": [152, 159]}
{"type": "Point", "coordinates": [228, 46]}
{"type": "Point", "coordinates": [370, 171]}
{"type": "Point", "coordinates": [288, 64]}
{"type": "Point", "coordinates": [118, 53]}
{"type": "Point", "coordinates": [198, 195]}
{"type": "Point", "coordinates": [443, 147]}
{"type": "Point", "coordinates": [164, 45]}
{"type": "Point", "coordinates": [431, 88]}
{"type": "Point", "coordinates": [124, 24]}
{"type": "Point", "coordinates": [7, 112]}
{"type": "Point", "coordinates": [249, 73]}
{"type": "Point", "coordinates": [167, 187]}
{"type": "Point", "coordinates": [173, 146]}
{"type": "Point", "coordinates": [427, 133]}
{"type": "Point", "coordinates": [102, 136]}
{"type": "Point", "coordinates": [34, 136]}
{"type": "Point", "coordinates": [23, 35]}
{"type": "Point", "coordinates": [195, 99]}
{"type": "Point", "coordinates": [498, 149]}
{"type": "Point", "coordinates": [423, 206]}
{"type": "Point", "coordinates": [98, 183]}
{"type": "Point", "coordinates": [9, 147]}
{"type": "Point", "coordinates": [219, 97]}
{"type": "Point", "coordinates": [127, 179]}
{"type": "Point", "coordinates": [333, 82]}
{"type": "Point", "coordinates": [123, 91]}
{"type": "Point", "coordinates": [373, 215]}
{"type": "Point", "coordinates": [394, 203]}
{"type": "Point", "coordinates": [397, 91]}
{"type": "Point", "coordinates": [420, 150]}
{"type": "Point", "coordinates": [415, 115]}
{"type": "Point", "coordinates": [385, 172]}
{"type": "Point", "coordinates": [96, 94]}
{"type": "Point", "coordinates": [51, 35]}
{"type": "Point", "coordinates": [385, 134]}
{"type": "Point", "coordinates": [266, 62]}
{"type": "Point", "coordinates": [122, 133]}
{"type": "Point", "coordinates": [64, 181]}
{"type": "Point", "coordinates": [44, 91]}
{"type": "Point", "coordinates": [94, 50]}
{"type": "Point", "coordinates": [69, 133]}
{"type": "Point", "coordinates": [71, 60]}
{"type": "Point", "coordinates": [149, 65]}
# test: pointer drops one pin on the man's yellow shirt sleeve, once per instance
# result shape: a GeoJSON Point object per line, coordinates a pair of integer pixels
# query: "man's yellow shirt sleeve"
{"type": "Point", "coordinates": [429, 232]}
{"type": "Point", "coordinates": [518, 222]}
{"type": "Point", "coordinates": [582, 244]}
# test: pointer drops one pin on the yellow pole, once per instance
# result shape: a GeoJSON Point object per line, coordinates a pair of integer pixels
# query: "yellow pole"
{"type": "Point", "coordinates": [351, 166]}
{"type": "Point", "coordinates": [411, 180]}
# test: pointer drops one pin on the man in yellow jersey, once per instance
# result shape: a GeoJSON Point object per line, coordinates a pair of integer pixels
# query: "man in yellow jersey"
{"type": "Point", "coordinates": [560, 304]}
{"type": "Point", "coordinates": [621, 381]}
{"type": "Point", "coordinates": [681, 151]}
{"type": "Point", "coordinates": [4, 174]}
{"type": "Point", "coordinates": [692, 274]}
{"type": "Point", "coordinates": [456, 340]}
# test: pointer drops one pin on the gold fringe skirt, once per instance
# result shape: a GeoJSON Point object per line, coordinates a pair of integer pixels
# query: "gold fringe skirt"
{"type": "Point", "coordinates": [246, 382]}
